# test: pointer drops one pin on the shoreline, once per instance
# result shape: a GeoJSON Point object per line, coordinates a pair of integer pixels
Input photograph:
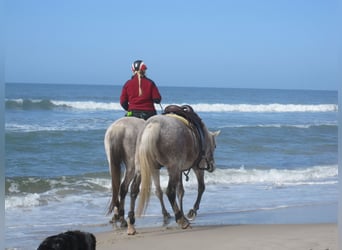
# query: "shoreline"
{"type": "Point", "coordinates": [248, 236]}
{"type": "Point", "coordinates": [307, 228]}
{"type": "Point", "coordinates": [249, 222]}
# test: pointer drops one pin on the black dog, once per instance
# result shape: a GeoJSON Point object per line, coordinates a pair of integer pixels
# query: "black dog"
{"type": "Point", "coordinates": [70, 240]}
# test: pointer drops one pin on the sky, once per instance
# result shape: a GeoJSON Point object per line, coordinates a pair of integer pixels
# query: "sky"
{"type": "Point", "coordinates": [282, 44]}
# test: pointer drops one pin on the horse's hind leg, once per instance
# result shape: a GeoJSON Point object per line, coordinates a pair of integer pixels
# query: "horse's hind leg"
{"type": "Point", "coordinates": [159, 194]}
{"type": "Point", "coordinates": [115, 203]}
{"type": "Point", "coordinates": [180, 194]}
{"type": "Point", "coordinates": [171, 194]}
{"type": "Point", "coordinates": [201, 187]}
{"type": "Point", "coordinates": [123, 192]}
{"type": "Point", "coordinates": [134, 194]}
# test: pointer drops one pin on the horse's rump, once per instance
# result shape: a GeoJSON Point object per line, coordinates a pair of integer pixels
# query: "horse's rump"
{"type": "Point", "coordinates": [120, 142]}
{"type": "Point", "coordinates": [165, 141]}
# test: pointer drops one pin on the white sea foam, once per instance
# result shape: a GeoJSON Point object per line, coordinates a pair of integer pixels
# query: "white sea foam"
{"type": "Point", "coordinates": [308, 176]}
{"type": "Point", "coordinates": [32, 127]}
{"type": "Point", "coordinates": [317, 175]}
{"type": "Point", "coordinates": [300, 126]}
{"type": "Point", "coordinates": [57, 126]}
{"type": "Point", "coordinates": [220, 178]}
{"type": "Point", "coordinates": [216, 107]}
{"type": "Point", "coordinates": [261, 108]}
{"type": "Point", "coordinates": [89, 105]}
{"type": "Point", "coordinates": [60, 189]}
{"type": "Point", "coordinates": [15, 127]}
{"type": "Point", "coordinates": [28, 200]}
{"type": "Point", "coordinates": [198, 107]}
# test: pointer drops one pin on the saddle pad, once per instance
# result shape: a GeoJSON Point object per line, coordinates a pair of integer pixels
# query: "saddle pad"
{"type": "Point", "coordinates": [181, 118]}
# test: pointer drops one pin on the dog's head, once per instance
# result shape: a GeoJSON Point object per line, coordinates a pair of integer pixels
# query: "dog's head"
{"type": "Point", "coordinates": [70, 240]}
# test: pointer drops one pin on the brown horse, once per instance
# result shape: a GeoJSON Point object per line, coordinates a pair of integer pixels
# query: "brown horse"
{"type": "Point", "coordinates": [171, 142]}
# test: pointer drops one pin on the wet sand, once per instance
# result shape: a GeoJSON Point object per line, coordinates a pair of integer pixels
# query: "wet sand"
{"type": "Point", "coordinates": [261, 236]}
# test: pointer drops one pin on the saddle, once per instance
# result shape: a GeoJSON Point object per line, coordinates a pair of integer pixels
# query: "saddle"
{"type": "Point", "coordinates": [195, 122]}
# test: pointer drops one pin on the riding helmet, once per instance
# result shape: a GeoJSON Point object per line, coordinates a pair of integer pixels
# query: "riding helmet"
{"type": "Point", "coordinates": [138, 65]}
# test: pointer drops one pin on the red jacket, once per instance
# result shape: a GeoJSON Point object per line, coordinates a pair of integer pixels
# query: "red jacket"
{"type": "Point", "coordinates": [130, 99]}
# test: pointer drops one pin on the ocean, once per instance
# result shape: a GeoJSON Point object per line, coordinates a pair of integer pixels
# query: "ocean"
{"type": "Point", "coordinates": [276, 158]}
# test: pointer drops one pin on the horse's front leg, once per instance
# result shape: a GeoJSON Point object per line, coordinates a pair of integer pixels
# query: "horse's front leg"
{"type": "Point", "coordinates": [171, 194]}
{"type": "Point", "coordinates": [201, 187]}
{"type": "Point", "coordinates": [134, 194]}
{"type": "Point", "coordinates": [159, 194]}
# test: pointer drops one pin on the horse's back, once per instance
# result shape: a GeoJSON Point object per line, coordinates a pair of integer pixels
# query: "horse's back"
{"type": "Point", "coordinates": [120, 137]}
{"type": "Point", "coordinates": [170, 137]}
{"type": "Point", "coordinates": [128, 123]}
{"type": "Point", "coordinates": [167, 122]}
{"type": "Point", "coordinates": [125, 127]}
{"type": "Point", "coordinates": [170, 129]}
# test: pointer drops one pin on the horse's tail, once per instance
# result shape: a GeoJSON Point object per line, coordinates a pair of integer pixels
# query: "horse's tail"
{"type": "Point", "coordinates": [114, 151]}
{"type": "Point", "coordinates": [146, 163]}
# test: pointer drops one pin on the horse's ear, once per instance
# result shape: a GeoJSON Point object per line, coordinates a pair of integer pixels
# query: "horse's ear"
{"type": "Point", "coordinates": [216, 133]}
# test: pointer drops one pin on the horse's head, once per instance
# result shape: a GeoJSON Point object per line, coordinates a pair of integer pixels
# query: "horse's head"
{"type": "Point", "coordinates": [208, 161]}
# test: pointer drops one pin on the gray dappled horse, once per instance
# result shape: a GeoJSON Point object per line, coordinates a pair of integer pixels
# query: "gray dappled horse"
{"type": "Point", "coordinates": [170, 141]}
{"type": "Point", "coordinates": [120, 141]}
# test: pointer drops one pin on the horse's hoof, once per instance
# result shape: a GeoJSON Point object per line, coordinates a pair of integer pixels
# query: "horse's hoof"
{"type": "Point", "coordinates": [130, 227]}
{"type": "Point", "coordinates": [167, 215]}
{"type": "Point", "coordinates": [123, 223]}
{"type": "Point", "coordinates": [114, 219]}
{"type": "Point", "coordinates": [167, 218]}
{"type": "Point", "coordinates": [166, 221]}
{"type": "Point", "coordinates": [131, 230]}
{"type": "Point", "coordinates": [192, 214]}
{"type": "Point", "coordinates": [184, 223]}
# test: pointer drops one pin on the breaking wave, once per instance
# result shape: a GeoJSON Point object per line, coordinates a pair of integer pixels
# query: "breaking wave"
{"type": "Point", "coordinates": [38, 191]}
{"type": "Point", "coordinates": [25, 104]}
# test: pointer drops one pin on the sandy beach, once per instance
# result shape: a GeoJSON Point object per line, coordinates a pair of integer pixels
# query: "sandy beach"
{"type": "Point", "coordinates": [274, 236]}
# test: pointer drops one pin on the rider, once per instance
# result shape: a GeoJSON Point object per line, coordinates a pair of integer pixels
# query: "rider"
{"type": "Point", "coordinates": [140, 93]}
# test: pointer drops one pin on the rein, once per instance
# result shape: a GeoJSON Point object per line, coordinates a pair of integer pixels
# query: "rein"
{"type": "Point", "coordinates": [187, 172]}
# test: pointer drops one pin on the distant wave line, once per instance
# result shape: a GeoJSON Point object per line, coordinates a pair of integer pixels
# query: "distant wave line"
{"type": "Point", "coordinates": [265, 108]}
{"type": "Point", "coordinates": [199, 107]}
{"type": "Point", "coordinates": [299, 126]}
{"type": "Point", "coordinates": [13, 127]}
